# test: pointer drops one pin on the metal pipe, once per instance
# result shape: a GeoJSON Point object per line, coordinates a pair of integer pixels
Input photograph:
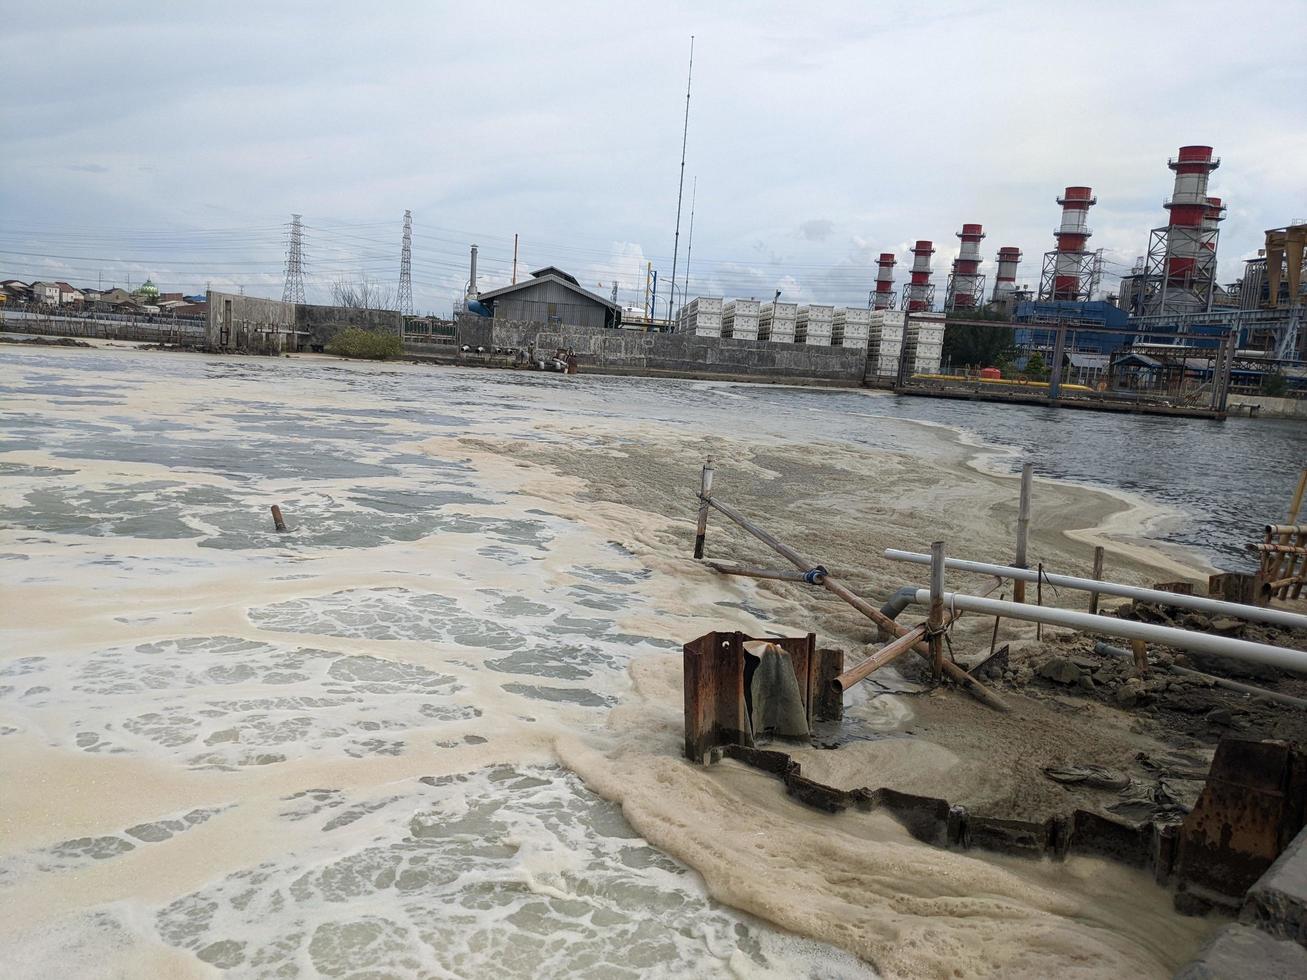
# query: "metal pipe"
{"type": "Point", "coordinates": [936, 610]}
{"type": "Point", "coordinates": [705, 492]}
{"type": "Point", "coordinates": [1222, 646]}
{"type": "Point", "coordinates": [1023, 530]}
{"type": "Point", "coordinates": [1278, 617]}
{"type": "Point", "coordinates": [1103, 648]}
{"type": "Point", "coordinates": [770, 573]}
{"type": "Point", "coordinates": [898, 602]}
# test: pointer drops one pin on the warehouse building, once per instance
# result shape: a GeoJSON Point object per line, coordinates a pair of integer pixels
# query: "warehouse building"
{"type": "Point", "coordinates": [554, 297]}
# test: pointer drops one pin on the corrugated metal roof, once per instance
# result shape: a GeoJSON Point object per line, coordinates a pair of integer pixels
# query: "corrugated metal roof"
{"type": "Point", "coordinates": [549, 274]}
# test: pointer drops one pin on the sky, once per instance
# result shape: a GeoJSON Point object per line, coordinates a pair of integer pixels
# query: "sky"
{"type": "Point", "coordinates": [174, 140]}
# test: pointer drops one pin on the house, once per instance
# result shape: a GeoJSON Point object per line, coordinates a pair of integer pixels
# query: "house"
{"type": "Point", "coordinates": [16, 291]}
{"type": "Point", "coordinates": [112, 298]}
{"type": "Point", "coordinates": [46, 293]}
{"type": "Point", "coordinates": [554, 297]}
{"type": "Point", "coordinates": [68, 294]}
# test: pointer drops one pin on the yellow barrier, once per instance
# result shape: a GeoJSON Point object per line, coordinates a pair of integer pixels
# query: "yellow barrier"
{"type": "Point", "coordinates": [1001, 382]}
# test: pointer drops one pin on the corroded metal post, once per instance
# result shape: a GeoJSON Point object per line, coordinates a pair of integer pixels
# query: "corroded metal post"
{"type": "Point", "coordinates": [277, 520]}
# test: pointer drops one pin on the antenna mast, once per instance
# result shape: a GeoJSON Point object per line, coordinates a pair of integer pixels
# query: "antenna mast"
{"type": "Point", "coordinates": [689, 245]}
{"type": "Point", "coordinates": [680, 188]}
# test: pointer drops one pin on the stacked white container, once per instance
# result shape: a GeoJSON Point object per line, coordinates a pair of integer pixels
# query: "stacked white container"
{"type": "Point", "coordinates": [776, 322]}
{"type": "Point", "coordinates": [925, 342]}
{"type": "Point", "coordinates": [850, 327]}
{"type": "Point", "coordinates": [813, 325]}
{"type": "Point", "coordinates": [702, 316]}
{"type": "Point", "coordinates": [740, 319]}
{"type": "Point", "coordinates": [884, 342]}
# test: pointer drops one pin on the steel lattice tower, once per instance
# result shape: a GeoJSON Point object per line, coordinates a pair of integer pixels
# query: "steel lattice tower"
{"type": "Point", "coordinates": [294, 289]}
{"type": "Point", "coordinates": [406, 267]}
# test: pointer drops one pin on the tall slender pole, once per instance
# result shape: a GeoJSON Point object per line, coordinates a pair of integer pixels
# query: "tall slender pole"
{"type": "Point", "coordinates": [1098, 575]}
{"type": "Point", "coordinates": [705, 495]}
{"type": "Point", "coordinates": [936, 621]}
{"type": "Point", "coordinates": [680, 188]}
{"type": "Point", "coordinates": [514, 258]}
{"type": "Point", "coordinates": [689, 245]}
{"type": "Point", "coordinates": [1023, 530]}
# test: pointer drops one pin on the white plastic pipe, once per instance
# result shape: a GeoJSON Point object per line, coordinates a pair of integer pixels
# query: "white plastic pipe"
{"type": "Point", "coordinates": [1278, 617]}
{"type": "Point", "coordinates": [1169, 636]}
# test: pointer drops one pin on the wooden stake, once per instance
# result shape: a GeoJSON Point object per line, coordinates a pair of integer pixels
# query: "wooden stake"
{"type": "Point", "coordinates": [1023, 530]}
{"type": "Point", "coordinates": [1098, 577]}
{"type": "Point", "coordinates": [936, 610]}
{"type": "Point", "coordinates": [705, 494]}
{"type": "Point", "coordinates": [277, 521]}
{"type": "Point", "coordinates": [1140, 649]}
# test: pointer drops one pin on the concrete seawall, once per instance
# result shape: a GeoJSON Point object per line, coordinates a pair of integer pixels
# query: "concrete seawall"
{"type": "Point", "coordinates": [606, 351]}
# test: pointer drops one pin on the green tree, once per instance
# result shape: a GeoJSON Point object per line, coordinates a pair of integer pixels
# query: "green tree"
{"type": "Point", "coordinates": [969, 345]}
{"type": "Point", "coordinates": [1275, 384]}
{"type": "Point", "coordinates": [1035, 367]}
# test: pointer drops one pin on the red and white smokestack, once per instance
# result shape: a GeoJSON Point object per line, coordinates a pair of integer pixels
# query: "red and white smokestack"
{"type": "Point", "coordinates": [1212, 219]}
{"type": "Point", "coordinates": [1188, 207]}
{"type": "Point", "coordinates": [884, 299]}
{"type": "Point", "coordinates": [1072, 235]}
{"type": "Point", "coordinates": [1005, 280]}
{"type": "Point", "coordinates": [919, 278]}
{"type": "Point", "coordinates": [966, 268]}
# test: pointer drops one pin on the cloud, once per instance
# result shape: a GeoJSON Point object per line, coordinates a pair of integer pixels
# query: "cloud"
{"type": "Point", "coordinates": [817, 229]}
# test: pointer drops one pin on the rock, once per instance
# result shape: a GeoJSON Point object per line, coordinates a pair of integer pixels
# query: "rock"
{"type": "Point", "coordinates": [1130, 693]}
{"type": "Point", "coordinates": [1086, 682]}
{"type": "Point", "coordinates": [1156, 685]}
{"type": "Point", "coordinates": [1222, 717]}
{"type": "Point", "coordinates": [1227, 626]}
{"type": "Point", "coordinates": [1060, 670]}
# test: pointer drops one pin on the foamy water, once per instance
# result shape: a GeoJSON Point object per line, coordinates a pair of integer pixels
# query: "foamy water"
{"type": "Point", "coordinates": [434, 729]}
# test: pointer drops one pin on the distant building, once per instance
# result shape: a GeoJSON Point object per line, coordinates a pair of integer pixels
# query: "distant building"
{"type": "Point", "coordinates": [46, 293]}
{"type": "Point", "coordinates": [69, 294]}
{"type": "Point", "coordinates": [551, 296]}
{"type": "Point", "coordinates": [16, 290]}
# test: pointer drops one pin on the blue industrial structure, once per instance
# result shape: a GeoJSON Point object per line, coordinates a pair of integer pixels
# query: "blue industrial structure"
{"type": "Point", "coordinates": [1041, 319]}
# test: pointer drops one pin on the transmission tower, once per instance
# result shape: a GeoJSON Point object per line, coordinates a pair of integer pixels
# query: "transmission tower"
{"type": "Point", "coordinates": [406, 267]}
{"type": "Point", "coordinates": [294, 290]}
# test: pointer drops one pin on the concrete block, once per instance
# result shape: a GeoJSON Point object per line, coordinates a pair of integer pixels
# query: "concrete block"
{"type": "Point", "coordinates": [1277, 901]}
{"type": "Point", "coordinates": [1239, 951]}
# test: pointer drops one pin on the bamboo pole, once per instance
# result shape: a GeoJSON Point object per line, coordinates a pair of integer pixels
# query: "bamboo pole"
{"type": "Point", "coordinates": [936, 610]}
{"type": "Point", "coordinates": [705, 495]}
{"type": "Point", "coordinates": [1098, 577]}
{"type": "Point", "coordinates": [954, 672]}
{"type": "Point", "coordinates": [1023, 530]}
{"type": "Point", "coordinates": [746, 572]}
{"type": "Point", "coordinates": [1295, 506]}
{"type": "Point", "coordinates": [885, 655]}
{"type": "Point", "coordinates": [1140, 650]}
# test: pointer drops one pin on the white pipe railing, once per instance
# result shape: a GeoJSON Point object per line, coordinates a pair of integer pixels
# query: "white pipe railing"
{"type": "Point", "coordinates": [1222, 646]}
{"type": "Point", "coordinates": [1277, 617]}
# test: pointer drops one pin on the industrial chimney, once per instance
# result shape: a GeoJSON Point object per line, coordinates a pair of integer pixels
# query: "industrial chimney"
{"type": "Point", "coordinates": [966, 285]}
{"type": "Point", "coordinates": [1180, 272]}
{"type": "Point", "coordinates": [1070, 271]}
{"type": "Point", "coordinates": [884, 298]}
{"type": "Point", "coordinates": [472, 291]}
{"type": "Point", "coordinates": [919, 292]}
{"type": "Point", "coordinates": [1005, 279]}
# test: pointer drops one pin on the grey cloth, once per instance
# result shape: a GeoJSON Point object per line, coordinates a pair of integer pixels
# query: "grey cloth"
{"type": "Point", "coordinates": [777, 704]}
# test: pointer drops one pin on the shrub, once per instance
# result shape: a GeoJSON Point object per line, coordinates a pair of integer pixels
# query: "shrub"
{"type": "Point", "coordinates": [1275, 384]}
{"type": "Point", "coordinates": [357, 342]}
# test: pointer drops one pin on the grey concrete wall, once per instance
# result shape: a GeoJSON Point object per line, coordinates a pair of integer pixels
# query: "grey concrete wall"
{"type": "Point", "coordinates": [318, 324]}
{"type": "Point", "coordinates": [635, 352]}
{"type": "Point", "coordinates": [249, 323]}
{"type": "Point", "coordinates": [1268, 407]}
